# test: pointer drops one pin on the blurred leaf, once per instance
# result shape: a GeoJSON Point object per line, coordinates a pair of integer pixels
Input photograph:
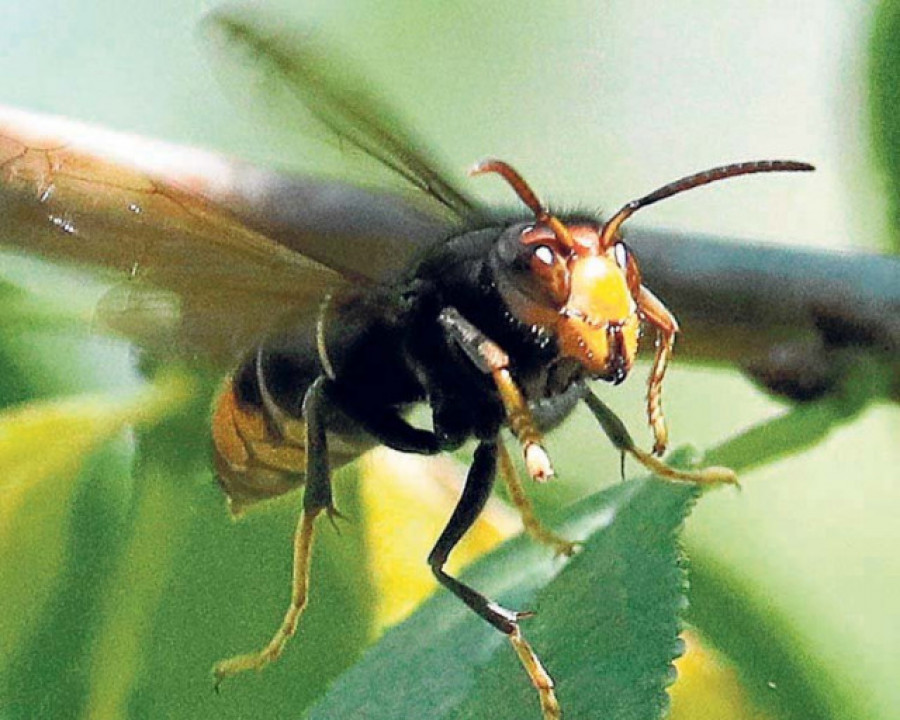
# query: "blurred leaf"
{"type": "Point", "coordinates": [134, 594]}
{"type": "Point", "coordinates": [806, 424]}
{"type": "Point", "coordinates": [606, 624]}
{"type": "Point", "coordinates": [773, 662]}
{"type": "Point", "coordinates": [44, 440]}
{"type": "Point", "coordinates": [42, 449]}
{"type": "Point", "coordinates": [781, 670]}
{"type": "Point", "coordinates": [708, 687]}
{"type": "Point", "coordinates": [884, 92]}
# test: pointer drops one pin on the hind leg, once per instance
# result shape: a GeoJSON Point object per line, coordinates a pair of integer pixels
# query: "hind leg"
{"type": "Point", "coordinates": [317, 497]}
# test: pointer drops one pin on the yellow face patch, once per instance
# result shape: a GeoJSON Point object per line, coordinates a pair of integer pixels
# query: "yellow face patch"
{"type": "Point", "coordinates": [599, 292]}
{"type": "Point", "coordinates": [599, 324]}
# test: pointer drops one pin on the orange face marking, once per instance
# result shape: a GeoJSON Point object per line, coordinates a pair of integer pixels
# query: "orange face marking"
{"type": "Point", "coordinates": [597, 321]}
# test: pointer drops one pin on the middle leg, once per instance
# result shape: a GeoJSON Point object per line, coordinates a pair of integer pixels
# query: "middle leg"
{"type": "Point", "coordinates": [477, 489]}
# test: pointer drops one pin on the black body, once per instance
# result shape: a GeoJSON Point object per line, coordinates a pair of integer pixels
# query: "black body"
{"type": "Point", "coordinates": [387, 349]}
{"type": "Point", "coordinates": [374, 352]}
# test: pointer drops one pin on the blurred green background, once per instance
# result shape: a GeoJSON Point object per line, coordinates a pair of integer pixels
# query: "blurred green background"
{"type": "Point", "coordinates": [595, 103]}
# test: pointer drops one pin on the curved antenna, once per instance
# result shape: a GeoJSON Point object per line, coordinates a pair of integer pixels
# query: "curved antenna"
{"type": "Point", "coordinates": [527, 196]}
{"type": "Point", "coordinates": [611, 227]}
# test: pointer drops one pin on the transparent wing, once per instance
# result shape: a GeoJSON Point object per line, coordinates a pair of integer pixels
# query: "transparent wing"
{"type": "Point", "coordinates": [294, 75]}
{"type": "Point", "coordinates": [361, 233]}
{"type": "Point", "coordinates": [174, 229]}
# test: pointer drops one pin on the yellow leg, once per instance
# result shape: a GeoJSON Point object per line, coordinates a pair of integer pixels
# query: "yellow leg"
{"type": "Point", "coordinates": [538, 675]}
{"type": "Point", "coordinates": [489, 357]}
{"type": "Point", "coordinates": [303, 539]}
{"type": "Point", "coordinates": [522, 425]}
{"type": "Point", "coordinates": [530, 521]}
{"type": "Point", "coordinates": [659, 316]}
{"type": "Point", "coordinates": [620, 437]}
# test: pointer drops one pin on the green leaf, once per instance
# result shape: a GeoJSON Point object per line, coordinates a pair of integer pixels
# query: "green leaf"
{"type": "Point", "coordinates": [606, 626]}
{"type": "Point", "coordinates": [884, 104]}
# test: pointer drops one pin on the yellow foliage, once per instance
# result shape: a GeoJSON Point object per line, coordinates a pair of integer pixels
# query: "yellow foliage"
{"type": "Point", "coordinates": [42, 448]}
{"type": "Point", "coordinates": [707, 689]}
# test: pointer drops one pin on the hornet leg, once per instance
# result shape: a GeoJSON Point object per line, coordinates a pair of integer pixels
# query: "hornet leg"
{"type": "Point", "coordinates": [659, 316]}
{"type": "Point", "coordinates": [620, 437]}
{"type": "Point", "coordinates": [489, 357]}
{"type": "Point", "coordinates": [316, 498]}
{"type": "Point", "coordinates": [475, 494]}
{"type": "Point", "coordinates": [530, 521]}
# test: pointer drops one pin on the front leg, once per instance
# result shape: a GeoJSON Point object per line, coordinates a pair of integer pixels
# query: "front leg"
{"type": "Point", "coordinates": [531, 523]}
{"type": "Point", "coordinates": [620, 437]}
{"type": "Point", "coordinates": [662, 319]}
{"type": "Point", "coordinates": [489, 357]}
